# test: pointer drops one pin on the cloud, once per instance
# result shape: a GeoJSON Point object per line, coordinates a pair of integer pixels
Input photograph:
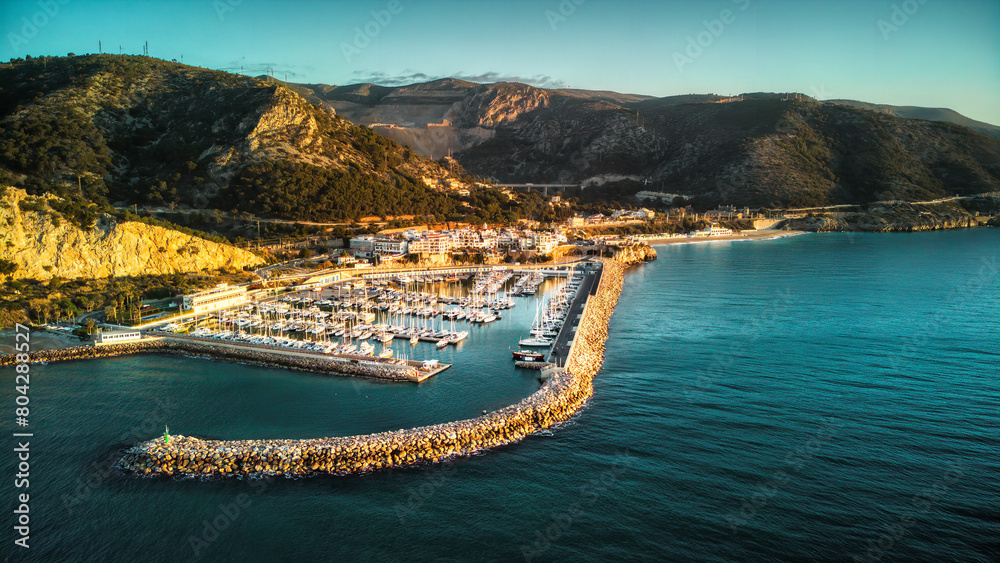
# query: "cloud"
{"type": "Point", "coordinates": [410, 77]}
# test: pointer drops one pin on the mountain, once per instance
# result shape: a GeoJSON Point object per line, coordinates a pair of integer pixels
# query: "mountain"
{"type": "Point", "coordinates": [757, 149]}
{"type": "Point", "coordinates": [930, 114]}
{"type": "Point", "coordinates": [102, 129]}
{"type": "Point", "coordinates": [43, 246]}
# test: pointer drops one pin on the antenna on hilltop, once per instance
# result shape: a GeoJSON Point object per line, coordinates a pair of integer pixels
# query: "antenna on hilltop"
{"type": "Point", "coordinates": [99, 51]}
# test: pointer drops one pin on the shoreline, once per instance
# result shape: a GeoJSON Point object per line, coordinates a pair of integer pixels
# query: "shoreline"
{"type": "Point", "coordinates": [557, 400]}
{"type": "Point", "coordinates": [752, 235]}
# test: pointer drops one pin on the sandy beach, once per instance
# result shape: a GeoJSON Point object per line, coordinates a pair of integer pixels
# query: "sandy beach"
{"type": "Point", "coordinates": [39, 341]}
{"type": "Point", "coordinates": [746, 235]}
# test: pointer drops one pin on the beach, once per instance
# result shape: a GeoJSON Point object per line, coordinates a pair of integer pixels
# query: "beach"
{"type": "Point", "coordinates": [765, 234]}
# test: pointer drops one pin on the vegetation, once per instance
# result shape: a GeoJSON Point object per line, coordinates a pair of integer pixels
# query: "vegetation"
{"type": "Point", "coordinates": [98, 129]}
{"type": "Point", "coordinates": [119, 298]}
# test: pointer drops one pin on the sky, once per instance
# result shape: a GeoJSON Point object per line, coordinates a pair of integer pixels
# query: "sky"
{"type": "Point", "coordinates": [934, 53]}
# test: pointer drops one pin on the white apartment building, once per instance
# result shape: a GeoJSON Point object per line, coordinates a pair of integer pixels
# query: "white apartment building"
{"type": "Point", "coordinates": [544, 242]}
{"type": "Point", "coordinates": [467, 238]}
{"type": "Point", "coordinates": [388, 246]}
{"type": "Point", "coordinates": [365, 244]}
{"type": "Point", "coordinates": [219, 297]}
{"type": "Point", "coordinates": [431, 243]}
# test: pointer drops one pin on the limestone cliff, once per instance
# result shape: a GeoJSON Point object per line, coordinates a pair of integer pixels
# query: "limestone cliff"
{"type": "Point", "coordinates": [635, 254]}
{"type": "Point", "coordinates": [43, 245]}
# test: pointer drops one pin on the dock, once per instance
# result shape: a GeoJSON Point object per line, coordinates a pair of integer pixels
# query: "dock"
{"type": "Point", "coordinates": [567, 334]}
{"type": "Point", "coordinates": [423, 370]}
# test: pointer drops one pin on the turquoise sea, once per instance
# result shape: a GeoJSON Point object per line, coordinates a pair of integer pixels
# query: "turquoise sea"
{"type": "Point", "coordinates": [824, 397]}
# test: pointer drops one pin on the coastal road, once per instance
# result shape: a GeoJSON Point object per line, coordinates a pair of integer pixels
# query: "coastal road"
{"type": "Point", "coordinates": [561, 348]}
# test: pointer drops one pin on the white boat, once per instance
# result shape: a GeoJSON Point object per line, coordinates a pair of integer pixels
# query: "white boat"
{"type": "Point", "coordinates": [441, 344]}
{"type": "Point", "coordinates": [537, 342]}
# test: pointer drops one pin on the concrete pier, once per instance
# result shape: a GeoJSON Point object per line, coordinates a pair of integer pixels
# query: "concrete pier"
{"type": "Point", "coordinates": [336, 364]}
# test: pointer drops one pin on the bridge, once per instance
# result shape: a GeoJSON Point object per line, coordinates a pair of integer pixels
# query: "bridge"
{"type": "Point", "coordinates": [543, 187]}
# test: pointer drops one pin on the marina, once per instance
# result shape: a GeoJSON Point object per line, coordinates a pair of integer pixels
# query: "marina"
{"type": "Point", "coordinates": [383, 320]}
{"type": "Point", "coordinates": [561, 394]}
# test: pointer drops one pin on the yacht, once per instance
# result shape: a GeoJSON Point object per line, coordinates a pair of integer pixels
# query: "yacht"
{"type": "Point", "coordinates": [527, 356]}
{"type": "Point", "coordinates": [537, 342]}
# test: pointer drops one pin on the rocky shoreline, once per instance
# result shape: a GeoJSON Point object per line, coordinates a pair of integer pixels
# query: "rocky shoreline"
{"type": "Point", "coordinates": [901, 217]}
{"type": "Point", "coordinates": [559, 398]}
{"type": "Point", "coordinates": [241, 355]}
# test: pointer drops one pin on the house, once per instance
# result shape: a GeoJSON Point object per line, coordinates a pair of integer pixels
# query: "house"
{"type": "Point", "coordinates": [117, 337]}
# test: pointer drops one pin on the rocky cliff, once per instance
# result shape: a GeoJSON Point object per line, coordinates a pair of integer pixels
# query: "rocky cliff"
{"type": "Point", "coordinates": [756, 149]}
{"type": "Point", "coordinates": [635, 254]}
{"type": "Point", "coordinates": [43, 245]}
{"type": "Point", "coordinates": [891, 217]}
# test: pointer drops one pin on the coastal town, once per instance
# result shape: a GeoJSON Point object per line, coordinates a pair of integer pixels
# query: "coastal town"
{"type": "Point", "coordinates": [355, 273]}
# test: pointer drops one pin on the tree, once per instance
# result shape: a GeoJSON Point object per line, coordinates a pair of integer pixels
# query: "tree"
{"type": "Point", "coordinates": [89, 325]}
{"type": "Point", "coordinates": [7, 268]}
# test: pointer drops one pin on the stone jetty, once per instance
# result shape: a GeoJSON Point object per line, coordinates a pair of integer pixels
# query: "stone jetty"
{"type": "Point", "coordinates": [557, 400]}
{"type": "Point", "coordinates": [303, 362]}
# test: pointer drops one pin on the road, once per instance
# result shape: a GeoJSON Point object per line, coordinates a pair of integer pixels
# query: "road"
{"type": "Point", "coordinates": [565, 339]}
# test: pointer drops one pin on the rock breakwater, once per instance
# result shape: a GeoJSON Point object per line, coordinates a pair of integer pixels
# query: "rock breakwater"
{"type": "Point", "coordinates": [556, 401]}
{"type": "Point", "coordinates": [316, 364]}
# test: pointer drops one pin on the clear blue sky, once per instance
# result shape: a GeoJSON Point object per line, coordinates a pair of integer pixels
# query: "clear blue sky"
{"type": "Point", "coordinates": [937, 53]}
